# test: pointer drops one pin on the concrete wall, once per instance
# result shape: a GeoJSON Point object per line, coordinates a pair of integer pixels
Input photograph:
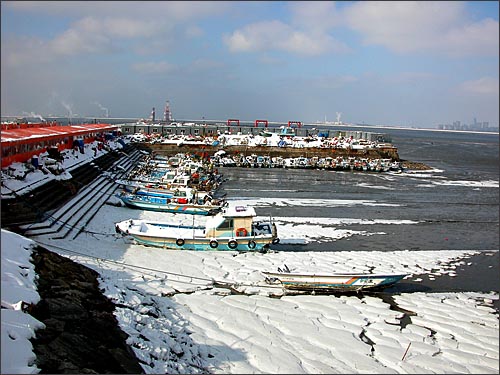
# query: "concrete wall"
{"type": "Point", "coordinates": [172, 149]}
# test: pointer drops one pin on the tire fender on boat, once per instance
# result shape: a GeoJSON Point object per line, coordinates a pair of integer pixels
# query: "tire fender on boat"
{"type": "Point", "coordinates": [179, 242]}
{"type": "Point", "coordinates": [276, 241]}
{"type": "Point", "coordinates": [214, 244]}
{"type": "Point", "coordinates": [232, 244]}
{"type": "Point", "coordinates": [252, 244]}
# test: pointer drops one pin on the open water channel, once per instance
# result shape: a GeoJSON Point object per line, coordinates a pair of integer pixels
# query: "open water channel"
{"type": "Point", "coordinates": [454, 206]}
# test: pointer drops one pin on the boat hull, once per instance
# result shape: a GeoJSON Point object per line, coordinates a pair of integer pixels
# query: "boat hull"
{"type": "Point", "coordinates": [333, 282]}
{"type": "Point", "coordinates": [179, 237]}
{"type": "Point", "coordinates": [203, 244]}
{"type": "Point", "coordinates": [159, 204]}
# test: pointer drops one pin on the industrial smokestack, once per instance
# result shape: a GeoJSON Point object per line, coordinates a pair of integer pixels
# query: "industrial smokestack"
{"type": "Point", "coordinates": [167, 115]}
{"type": "Point", "coordinates": [153, 114]}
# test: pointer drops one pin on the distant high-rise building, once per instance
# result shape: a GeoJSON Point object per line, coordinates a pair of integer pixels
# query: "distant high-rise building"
{"type": "Point", "coordinates": [153, 114]}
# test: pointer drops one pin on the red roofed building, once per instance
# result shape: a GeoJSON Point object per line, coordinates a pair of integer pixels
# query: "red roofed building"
{"type": "Point", "coordinates": [20, 142]}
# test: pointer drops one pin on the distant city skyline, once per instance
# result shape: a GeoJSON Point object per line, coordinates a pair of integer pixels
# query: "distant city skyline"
{"type": "Point", "coordinates": [474, 125]}
{"type": "Point", "coordinates": [414, 64]}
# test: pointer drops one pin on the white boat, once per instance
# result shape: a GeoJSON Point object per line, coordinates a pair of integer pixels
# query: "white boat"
{"type": "Point", "coordinates": [336, 282]}
{"type": "Point", "coordinates": [234, 228]}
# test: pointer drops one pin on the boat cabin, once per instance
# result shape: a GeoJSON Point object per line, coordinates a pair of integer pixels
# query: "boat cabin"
{"type": "Point", "coordinates": [235, 221]}
{"type": "Point", "coordinates": [288, 132]}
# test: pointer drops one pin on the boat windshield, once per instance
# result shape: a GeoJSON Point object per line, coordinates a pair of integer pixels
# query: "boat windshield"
{"type": "Point", "coordinates": [226, 224]}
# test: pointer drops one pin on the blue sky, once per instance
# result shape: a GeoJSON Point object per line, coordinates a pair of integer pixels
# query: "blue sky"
{"type": "Point", "coordinates": [388, 63]}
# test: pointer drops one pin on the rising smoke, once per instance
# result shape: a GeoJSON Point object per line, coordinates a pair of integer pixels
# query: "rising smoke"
{"type": "Point", "coordinates": [68, 108]}
{"type": "Point", "coordinates": [34, 115]}
{"type": "Point", "coordinates": [103, 108]}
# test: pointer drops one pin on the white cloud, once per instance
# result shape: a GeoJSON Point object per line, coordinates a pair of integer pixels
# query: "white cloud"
{"type": "Point", "coordinates": [98, 35]}
{"type": "Point", "coordinates": [276, 35]}
{"type": "Point", "coordinates": [17, 51]}
{"type": "Point", "coordinates": [409, 27]}
{"type": "Point", "coordinates": [153, 67]}
{"type": "Point", "coordinates": [75, 41]}
{"type": "Point", "coordinates": [314, 15]}
{"type": "Point", "coordinates": [130, 28]}
{"type": "Point", "coordinates": [103, 27]}
{"type": "Point", "coordinates": [482, 86]}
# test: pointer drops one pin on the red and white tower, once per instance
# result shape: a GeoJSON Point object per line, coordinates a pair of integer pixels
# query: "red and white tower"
{"type": "Point", "coordinates": [167, 115]}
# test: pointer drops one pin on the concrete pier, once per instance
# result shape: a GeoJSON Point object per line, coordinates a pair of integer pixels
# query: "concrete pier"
{"type": "Point", "coordinates": [285, 152]}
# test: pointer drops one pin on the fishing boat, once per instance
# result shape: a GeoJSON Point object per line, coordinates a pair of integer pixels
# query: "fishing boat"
{"type": "Point", "coordinates": [334, 282]}
{"type": "Point", "coordinates": [234, 228]}
{"type": "Point", "coordinates": [174, 204]}
{"type": "Point", "coordinates": [176, 194]}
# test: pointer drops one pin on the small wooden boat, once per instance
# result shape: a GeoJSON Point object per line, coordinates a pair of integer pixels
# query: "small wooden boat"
{"type": "Point", "coordinates": [234, 228]}
{"type": "Point", "coordinates": [173, 204]}
{"type": "Point", "coordinates": [339, 282]}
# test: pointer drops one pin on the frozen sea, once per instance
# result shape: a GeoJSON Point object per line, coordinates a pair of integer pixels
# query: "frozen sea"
{"type": "Point", "coordinates": [452, 206]}
{"type": "Point", "coordinates": [440, 226]}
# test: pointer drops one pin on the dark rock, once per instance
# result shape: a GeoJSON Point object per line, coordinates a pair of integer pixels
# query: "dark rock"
{"type": "Point", "coordinates": [82, 334]}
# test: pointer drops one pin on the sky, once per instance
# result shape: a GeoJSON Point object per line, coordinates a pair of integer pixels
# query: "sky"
{"type": "Point", "coordinates": [416, 64]}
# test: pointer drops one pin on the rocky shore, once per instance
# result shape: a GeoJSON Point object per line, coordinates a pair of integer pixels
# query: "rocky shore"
{"type": "Point", "coordinates": [82, 334]}
{"type": "Point", "coordinates": [413, 165]}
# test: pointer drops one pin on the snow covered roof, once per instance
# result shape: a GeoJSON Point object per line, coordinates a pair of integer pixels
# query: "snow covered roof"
{"type": "Point", "coordinates": [239, 211]}
{"type": "Point", "coordinates": [13, 135]}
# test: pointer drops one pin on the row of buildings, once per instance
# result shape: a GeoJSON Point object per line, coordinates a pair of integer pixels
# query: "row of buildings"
{"type": "Point", "coordinates": [475, 126]}
{"type": "Point", "coordinates": [215, 129]}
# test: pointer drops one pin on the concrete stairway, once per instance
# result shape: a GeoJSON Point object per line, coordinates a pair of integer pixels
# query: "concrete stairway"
{"type": "Point", "coordinates": [34, 207]}
{"type": "Point", "coordinates": [69, 220]}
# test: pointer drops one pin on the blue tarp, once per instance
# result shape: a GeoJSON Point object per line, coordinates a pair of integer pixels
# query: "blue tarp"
{"type": "Point", "coordinates": [34, 161]}
{"type": "Point", "coordinates": [79, 143]}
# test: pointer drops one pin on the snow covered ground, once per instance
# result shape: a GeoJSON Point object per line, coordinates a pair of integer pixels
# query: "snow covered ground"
{"type": "Point", "coordinates": [199, 312]}
{"type": "Point", "coordinates": [18, 286]}
{"type": "Point", "coordinates": [12, 176]}
{"type": "Point", "coordinates": [213, 312]}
